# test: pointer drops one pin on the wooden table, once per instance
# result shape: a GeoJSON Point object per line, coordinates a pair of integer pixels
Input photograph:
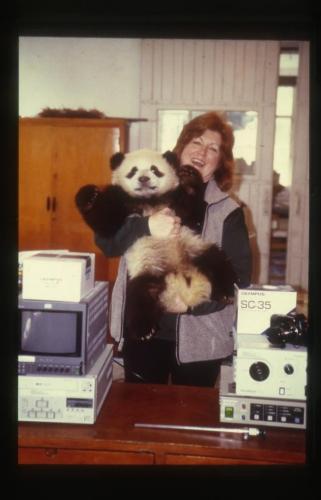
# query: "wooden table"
{"type": "Point", "coordinates": [113, 439]}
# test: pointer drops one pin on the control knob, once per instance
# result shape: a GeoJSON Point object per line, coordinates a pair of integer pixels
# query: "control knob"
{"type": "Point", "coordinates": [259, 371]}
{"type": "Point", "coordinates": [288, 369]}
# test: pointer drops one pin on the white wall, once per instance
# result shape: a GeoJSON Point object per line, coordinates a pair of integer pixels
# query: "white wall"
{"type": "Point", "coordinates": [90, 73]}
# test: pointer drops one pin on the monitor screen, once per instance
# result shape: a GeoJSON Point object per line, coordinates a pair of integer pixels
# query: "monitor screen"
{"type": "Point", "coordinates": [50, 332]}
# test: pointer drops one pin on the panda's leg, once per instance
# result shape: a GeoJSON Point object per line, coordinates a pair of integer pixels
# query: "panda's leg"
{"type": "Point", "coordinates": [215, 265]}
{"type": "Point", "coordinates": [143, 308]}
{"type": "Point", "coordinates": [185, 288]}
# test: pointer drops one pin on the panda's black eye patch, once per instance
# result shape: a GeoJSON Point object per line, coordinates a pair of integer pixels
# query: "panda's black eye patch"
{"type": "Point", "coordinates": [132, 172]}
{"type": "Point", "coordinates": [156, 171]}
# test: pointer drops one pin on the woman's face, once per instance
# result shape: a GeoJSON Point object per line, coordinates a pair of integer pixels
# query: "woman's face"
{"type": "Point", "coordinates": [203, 153]}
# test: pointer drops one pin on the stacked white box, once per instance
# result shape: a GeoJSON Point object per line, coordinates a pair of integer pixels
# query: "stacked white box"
{"type": "Point", "coordinates": [264, 383]}
{"type": "Point", "coordinates": [261, 369]}
{"type": "Point", "coordinates": [63, 276]}
{"type": "Point", "coordinates": [256, 304]}
{"type": "Point", "coordinates": [258, 410]}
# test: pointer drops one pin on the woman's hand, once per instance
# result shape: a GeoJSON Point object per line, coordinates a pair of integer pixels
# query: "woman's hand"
{"type": "Point", "coordinates": [164, 224]}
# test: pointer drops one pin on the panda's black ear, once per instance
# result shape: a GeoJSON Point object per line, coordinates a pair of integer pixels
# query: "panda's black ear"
{"type": "Point", "coordinates": [116, 160]}
{"type": "Point", "coordinates": [171, 158]}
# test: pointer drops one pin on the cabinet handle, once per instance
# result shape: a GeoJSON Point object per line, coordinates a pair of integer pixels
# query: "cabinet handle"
{"type": "Point", "coordinates": [48, 203]}
{"type": "Point", "coordinates": [54, 204]}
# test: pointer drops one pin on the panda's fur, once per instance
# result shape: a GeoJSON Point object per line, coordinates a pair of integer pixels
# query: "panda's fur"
{"type": "Point", "coordinates": [185, 285]}
{"type": "Point", "coordinates": [165, 274]}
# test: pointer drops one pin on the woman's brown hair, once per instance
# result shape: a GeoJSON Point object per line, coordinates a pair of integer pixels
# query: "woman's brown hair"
{"type": "Point", "coordinates": [223, 175]}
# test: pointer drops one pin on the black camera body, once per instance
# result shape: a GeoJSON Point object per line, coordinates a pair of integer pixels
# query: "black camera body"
{"type": "Point", "coordinates": [287, 329]}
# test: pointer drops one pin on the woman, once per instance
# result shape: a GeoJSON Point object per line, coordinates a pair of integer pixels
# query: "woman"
{"type": "Point", "coordinates": [188, 348]}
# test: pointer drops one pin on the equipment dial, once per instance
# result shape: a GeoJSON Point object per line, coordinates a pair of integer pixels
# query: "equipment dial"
{"type": "Point", "coordinates": [259, 371]}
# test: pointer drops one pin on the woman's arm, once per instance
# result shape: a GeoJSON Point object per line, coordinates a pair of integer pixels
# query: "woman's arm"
{"type": "Point", "coordinates": [235, 243]}
{"type": "Point", "coordinates": [161, 224]}
{"type": "Point", "coordinates": [134, 227]}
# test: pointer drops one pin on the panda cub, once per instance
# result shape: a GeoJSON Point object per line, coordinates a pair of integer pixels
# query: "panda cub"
{"type": "Point", "coordinates": [165, 274]}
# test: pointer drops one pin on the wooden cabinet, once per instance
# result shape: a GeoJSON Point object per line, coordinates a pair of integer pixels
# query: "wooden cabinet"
{"type": "Point", "coordinates": [56, 157]}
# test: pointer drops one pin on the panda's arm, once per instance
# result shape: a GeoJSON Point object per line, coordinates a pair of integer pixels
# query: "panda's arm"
{"type": "Point", "coordinates": [134, 227]}
{"type": "Point", "coordinates": [106, 210]}
{"type": "Point", "coordinates": [235, 243]}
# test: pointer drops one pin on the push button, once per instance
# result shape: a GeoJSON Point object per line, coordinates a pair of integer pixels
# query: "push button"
{"type": "Point", "coordinates": [229, 411]}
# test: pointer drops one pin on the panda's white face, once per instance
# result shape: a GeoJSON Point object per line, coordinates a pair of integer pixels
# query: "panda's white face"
{"type": "Point", "coordinates": [145, 173]}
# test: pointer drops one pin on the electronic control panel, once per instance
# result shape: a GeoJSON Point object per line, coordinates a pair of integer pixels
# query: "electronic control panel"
{"type": "Point", "coordinates": [262, 370]}
{"type": "Point", "coordinates": [69, 399]}
{"type": "Point", "coordinates": [270, 412]}
{"type": "Point", "coordinates": [273, 412]}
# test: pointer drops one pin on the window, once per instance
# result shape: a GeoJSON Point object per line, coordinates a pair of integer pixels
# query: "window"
{"type": "Point", "coordinates": [282, 164]}
{"type": "Point", "coordinates": [170, 124]}
{"type": "Point", "coordinates": [288, 71]}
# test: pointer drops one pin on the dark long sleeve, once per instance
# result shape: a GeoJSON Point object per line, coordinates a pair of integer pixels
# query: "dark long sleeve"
{"type": "Point", "coordinates": [235, 243]}
{"type": "Point", "coordinates": [134, 227]}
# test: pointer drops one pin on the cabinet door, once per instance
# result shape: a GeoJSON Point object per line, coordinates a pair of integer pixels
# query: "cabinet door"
{"type": "Point", "coordinates": [56, 157]}
{"type": "Point", "coordinates": [35, 159]}
{"type": "Point", "coordinates": [81, 152]}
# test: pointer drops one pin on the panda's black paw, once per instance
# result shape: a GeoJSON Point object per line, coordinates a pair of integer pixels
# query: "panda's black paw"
{"type": "Point", "coordinates": [86, 196]}
{"type": "Point", "coordinates": [190, 179]}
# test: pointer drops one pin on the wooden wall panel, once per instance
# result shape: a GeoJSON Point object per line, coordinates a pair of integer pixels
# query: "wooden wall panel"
{"type": "Point", "coordinates": [177, 47]}
{"type": "Point", "coordinates": [259, 73]}
{"type": "Point", "coordinates": [270, 71]}
{"type": "Point", "coordinates": [199, 71]}
{"type": "Point", "coordinates": [228, 67]}
{"type": "Point", "coordinates": [167, 71]}
{"type": "Point", "coordinates": [239, 71]}
{"type": "Point", "coordinates": [188, 71]}
{"type": "Point", "coordinates": [209, 72]}
{"type": "Point", "coordinates": [217, 76]}
{"type": "Point", "coordinates": [147, 71]}
{"type": "Point", "coordinates": [209, 68]}
{"type": "Point", "coordinates": [157, 71]}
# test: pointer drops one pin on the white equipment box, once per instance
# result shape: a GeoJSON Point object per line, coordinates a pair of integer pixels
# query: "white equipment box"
{"type": "Point", "coordinates": [256, 304]}
{"type": "Point", "coordinates": [271, 412]}
{"type": "Point", "coordinates": [72, 400]}
{"type": "Point", "coordinates": [263, 370]}
{"type": "Point", "coordinates": [59, 276]}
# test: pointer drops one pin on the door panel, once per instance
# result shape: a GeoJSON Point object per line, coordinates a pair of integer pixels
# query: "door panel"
{"type": "Point", "coordinates": [81, 156]}
{"type": "Point", "coordinates": [35, 159]}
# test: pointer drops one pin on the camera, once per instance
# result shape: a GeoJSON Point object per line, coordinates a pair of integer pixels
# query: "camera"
{"type": "Point", "coordinates": [287, 329]}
